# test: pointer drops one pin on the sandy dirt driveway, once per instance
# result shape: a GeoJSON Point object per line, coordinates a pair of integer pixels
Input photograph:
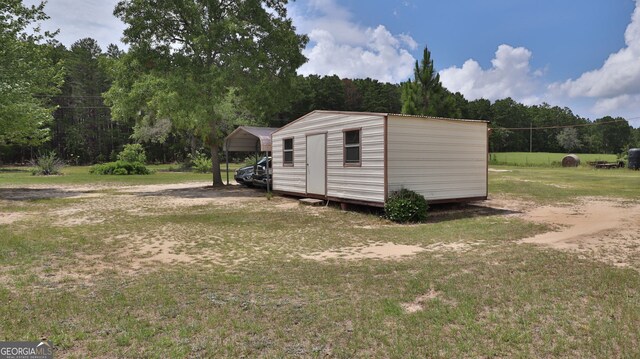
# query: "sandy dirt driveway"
{"type": "Point", "coordinates": [607, 230]}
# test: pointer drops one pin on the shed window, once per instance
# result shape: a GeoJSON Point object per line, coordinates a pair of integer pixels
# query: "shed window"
{"type": "Point", "coordinates": [352, 147]}
{"type": "Point", "coordinates": [287, 151]}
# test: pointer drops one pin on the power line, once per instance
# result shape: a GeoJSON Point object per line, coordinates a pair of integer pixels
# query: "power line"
{"type": "Point", "coordinates": [564, 126]}
{"type": "Point", "coordinates": [82, 108]}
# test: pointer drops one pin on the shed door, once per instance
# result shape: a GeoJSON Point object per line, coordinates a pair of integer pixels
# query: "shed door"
{"type": "Point", "coordinates": [316, 164]}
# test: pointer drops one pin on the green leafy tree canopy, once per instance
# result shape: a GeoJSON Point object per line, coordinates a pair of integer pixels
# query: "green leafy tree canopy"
{"type": "Point", "coordinates": [568, 139]}
{"type": "Point", "coordinates": [28, 76]}
{"type": "Point", "coordinates": [203, 64]}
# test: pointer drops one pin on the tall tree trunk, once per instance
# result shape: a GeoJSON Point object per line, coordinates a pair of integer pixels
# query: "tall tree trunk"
{"type": "Point", "coordinates": [215, 159]}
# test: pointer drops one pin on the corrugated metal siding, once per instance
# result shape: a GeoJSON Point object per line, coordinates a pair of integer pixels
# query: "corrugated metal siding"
{"type": "Point", "coordinates": [365, 183]}
{"type": "Point", "coordinates": [437, 158]}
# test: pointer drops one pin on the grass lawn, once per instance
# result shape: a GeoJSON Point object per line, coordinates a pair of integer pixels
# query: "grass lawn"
{"type": "Point", "coordinates": [79, 175]}
{"type": "Point", "coordinates": [543, 159]}
{"type": "Point", "coordinates": [106, 269]}
{"type": "Point", "coordinates": [564, 184]}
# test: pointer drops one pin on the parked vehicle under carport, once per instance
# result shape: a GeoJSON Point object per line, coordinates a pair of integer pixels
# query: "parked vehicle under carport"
{"type": "Point", "coordinates": [259, 178]}
{"type": "Point", "coordinates": [244, 175]}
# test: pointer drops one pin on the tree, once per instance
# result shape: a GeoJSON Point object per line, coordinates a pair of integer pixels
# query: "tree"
{"type": "Point", "coordinates": [203, 64]}
{"type": "Point", "coordinates": [479, 110]}
{"type": "Point", "coordinates": [614, 134]}
{"type": "Point", "coordinates": [568, 139]}
{"type": "Point", "coordinates": [508, 113]}
{"type": "Point", "coordinates": [425, 95]}
{"type": "Point", "coordinates": [28, 77]}
{"type": "Point", "coordinates": [83, 130]}
{"type": "Point", "coordinates": [635, 138]}
{"type": "Point", "coordinates": [352, 96]}
{"type": "Point", "coordinates": [427, 80]}
{"type": "Point", "coordinates": [410, 98]}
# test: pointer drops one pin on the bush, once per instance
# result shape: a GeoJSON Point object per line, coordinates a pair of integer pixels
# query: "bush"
{"type": "Point", "coordinates": [130, 162]}
{"type": "Point", "coordinates": [406, 206]}
{"type": "Point", "coordinates": [47, 164]}
{"type": "Point", "coordinates": [133, 153]}
{"type": "Point", "coordinates": [200, 163]}
{"type": "Point", "coordinates": [120, 168]}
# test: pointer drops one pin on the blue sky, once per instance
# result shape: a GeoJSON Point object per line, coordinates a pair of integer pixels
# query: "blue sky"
{"type": "Point", "coordinates": [567, 37]}
{"type": "Point", "coordinates": [581, 54]}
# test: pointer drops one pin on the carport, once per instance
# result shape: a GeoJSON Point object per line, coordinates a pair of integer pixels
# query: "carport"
{"type": "Point", "coordinates": [249, 139]}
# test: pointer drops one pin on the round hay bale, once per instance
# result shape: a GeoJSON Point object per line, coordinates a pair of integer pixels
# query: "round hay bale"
{"type": "Point", "coordinates": [570, 161]}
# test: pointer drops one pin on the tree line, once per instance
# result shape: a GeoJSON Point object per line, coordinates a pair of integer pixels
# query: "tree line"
{"type": "Point", "coordinates": [180, 88]}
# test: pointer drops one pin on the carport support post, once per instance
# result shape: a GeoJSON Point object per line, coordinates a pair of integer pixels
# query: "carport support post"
{"type": "Point", "coordinates": [267, 171]}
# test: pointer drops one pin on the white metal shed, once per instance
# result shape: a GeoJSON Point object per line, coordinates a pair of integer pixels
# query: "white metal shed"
{"type": "Point", "coordinates": [360, 157]}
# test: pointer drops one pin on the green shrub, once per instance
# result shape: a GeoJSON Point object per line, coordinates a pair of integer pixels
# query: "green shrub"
{"type": "Point", "coordinates": [47, 164]}
{"type": "Point", "coordinates": [200, 163]}
{"type": "Point", "coordinates": [133, 152]}
{"type": "Point", "coordinates": [120, 171]}
{"type": "Point", "coordinates": [130, 161]}
{"type": "Point", "coordinates": [120, 168]}
{"type": "Point", "coordinates": [406, 206]}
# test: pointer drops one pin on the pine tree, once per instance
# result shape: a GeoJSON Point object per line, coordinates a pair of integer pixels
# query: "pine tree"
{"type": "Point", "coordinates": [425, 95]}
{"type": "Point", "coordinates": [427, 80]}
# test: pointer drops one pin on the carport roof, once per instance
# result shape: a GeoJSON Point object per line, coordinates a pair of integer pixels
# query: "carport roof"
{"type": "Point", "coordinates": [247, 138]}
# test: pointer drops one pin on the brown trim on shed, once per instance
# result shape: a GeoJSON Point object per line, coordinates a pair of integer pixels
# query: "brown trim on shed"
{"type": "Point", "coordinates": [386, 156]}
{"type": "Point", "coordinates": [486, 174]}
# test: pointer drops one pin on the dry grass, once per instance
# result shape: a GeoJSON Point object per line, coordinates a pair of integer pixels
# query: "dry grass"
{"type": "Point", "coordinates": [184, 270]}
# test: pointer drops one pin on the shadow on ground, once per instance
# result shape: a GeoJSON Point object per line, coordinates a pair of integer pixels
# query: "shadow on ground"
{"type": "Point", "coordinates": [204, 192]}
{"type": "Point", "coordinates": [452, 211]}
{"type": "Point", "coordinates": [440, 212]}
{"type": "Point", "coordinates": [30, 194]}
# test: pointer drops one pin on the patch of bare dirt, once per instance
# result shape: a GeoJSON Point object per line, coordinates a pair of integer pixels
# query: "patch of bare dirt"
{"type": "Point", "coordinates": [606, 230]}
{"type": "Point", "coordinates": [8, 218]}
{"type": "Point", "coordinates": [169, 244]}
{"type": "Point", "coordinates": [135, 252]}
{"type": "Point", "coordinates": [556, 185]}
{"type": "Point", "coordinates": [387, 251]}
{"type": "Point", "coordinates": [421, 302]}
{"type": "Point", "coordinates": [291, 204]}
{"type": "Point", "coordinates": [93, 207]}
{"type": "Point", "coordinates": [451, 247]}
{"type": "Point", "coordinates": [498, 171]}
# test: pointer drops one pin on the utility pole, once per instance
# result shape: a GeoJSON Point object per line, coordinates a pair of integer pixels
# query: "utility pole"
{"type": "Point", "coordinates": [530, 137]}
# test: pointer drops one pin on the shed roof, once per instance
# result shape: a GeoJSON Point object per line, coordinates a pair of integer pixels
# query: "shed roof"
{"type": "Point", "coordinates": [381, 114]}
{"type": "Point", "coordinates": [249, 139]}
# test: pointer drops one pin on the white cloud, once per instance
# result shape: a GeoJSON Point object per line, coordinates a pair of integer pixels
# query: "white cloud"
{"type": "Point", "coordinates": [614, 87]}
{"type": "Point", "coordinates": [340, 46]}
{"type": "Point", "coordinates": [80, 19]}
{"type": "Point", "coordinates": [409, 41]}
{"type": "Point", "coordinates": [605, 106]}
{"type": "Point", "coordinates": [509, 76]}
{"type": "Point", "coordinates": [620, 73]}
